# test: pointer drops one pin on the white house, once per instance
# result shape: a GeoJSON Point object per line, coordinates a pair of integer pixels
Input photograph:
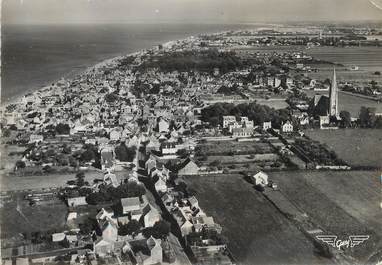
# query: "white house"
{"type": "Point", "coordinates": [267, 125]}
{"type": "Point", "coordinates": [260, 178]}
{"type": "Point", "coordinates": [168, 148]}
{"type": "Point", "coordinates": [188, 167]}
{"type": "Point", "coordinates": [287, 127]}
{"type": "Point", "coordinates": [160, 185]}
{"type": "Point", "coordinates": [115, 135]}
{"type": "Point", "coordinates": [77, 201]}
{"type": "Point", "coordinates": [156, 251]}
{"type": "Point", "coordinates": [163, 126]}
{"type": "Point", "coordinates": [151, 217]}
{"type": "Point", "coordinates": [227, 120]}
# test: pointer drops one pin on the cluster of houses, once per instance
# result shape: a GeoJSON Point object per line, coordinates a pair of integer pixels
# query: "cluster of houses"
{"type": "Point", "coordinates": [106, 241]}
{"type": "Point", "coordinates": [197, 229]}
{"type": "Point", "coordinates": [75, 123]}
{"type": "Point", "coordinates": [245, 128]}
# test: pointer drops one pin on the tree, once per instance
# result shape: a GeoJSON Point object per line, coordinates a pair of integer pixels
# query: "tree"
{"type": "Point", "coordinates": [111, 97]}
{"type": "Point", "coordinates": [72, 161]}
{"type": "Point", "coordinates": [88, 155]}
{"type": "Point", "coordinates": [88, 226]}
{"type": "Point", "coordinates": [6, 132]}
{"type": "Point", "coordinates": [378, 122]}
{"type": "Point", "coordinates": [62, 160]}
{"type": "Point", "coordinates": [130, 228]}
{"type": "Point", "coordinates": [96, 198]}
{"type": "Point", "coordinates": [345, 119]}
{"type": "Point", "coordinates": [80, 177]}
{"type": "Point", "coordinates": [62, 128]}
{"type": "Point", "coordinates": [367, 117]}
{"type": "Point", "coordinates": [20, 164]}
{"type": "Point", "coordinates": [161, 229]}
{"type": "Point", "coordinates": [124, 153]}
{"type": "Point", "coordinates": [215, 163]}
{"type": "Point", "coordinates": [182, 153]}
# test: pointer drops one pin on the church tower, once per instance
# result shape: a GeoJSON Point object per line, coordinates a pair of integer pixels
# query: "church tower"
{"type": "Point", "coordinates": [333, 96]}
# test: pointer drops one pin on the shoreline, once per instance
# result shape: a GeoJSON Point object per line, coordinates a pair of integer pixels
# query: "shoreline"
{"type": "Point", "coordinates": [70, 76]}
{"type": "Point", "coordinates": [17, 98]}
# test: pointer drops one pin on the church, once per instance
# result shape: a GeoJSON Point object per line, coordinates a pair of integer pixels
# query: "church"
{"type": "Point", "coordinates": [326, 107]}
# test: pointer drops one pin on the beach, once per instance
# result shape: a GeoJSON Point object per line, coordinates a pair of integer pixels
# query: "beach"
{"type": "Point", "coordinates": [36, 56]}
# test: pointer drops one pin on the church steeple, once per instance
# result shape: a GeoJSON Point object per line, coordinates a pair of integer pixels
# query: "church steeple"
{"type": "Point", "coordinates": [333, 96]}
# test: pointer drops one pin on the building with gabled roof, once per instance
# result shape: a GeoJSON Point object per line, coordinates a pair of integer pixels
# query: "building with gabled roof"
{"type": "Point", "coordinates": [188, 167]}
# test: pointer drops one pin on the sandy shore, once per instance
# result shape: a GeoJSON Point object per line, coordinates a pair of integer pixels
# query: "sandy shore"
{"type": "Point", "coordinates": [17, 99]}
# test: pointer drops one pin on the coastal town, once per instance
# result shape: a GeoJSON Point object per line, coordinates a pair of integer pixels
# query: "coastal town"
{"type": "Point", "coordinates": [114, 165]}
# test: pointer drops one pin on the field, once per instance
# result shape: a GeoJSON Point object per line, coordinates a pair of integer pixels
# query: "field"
{"type": "Point", "coordinates": [368, 59]}
{"type": "Point", "coordinates": [13, 183]}
{"type": "Point", "coordinates": [350, 103]}
{"type": "Point", "coordinates": [225, 147]}
{"type": "Point", "coordinates": [254, 227]}
{"type": "Point", "coordinates": [358, 147]}
{"type": "Point", "coordinates": [238, 156]}
{"type": "Point", "coordinates": [273, 103]}
{"type": "Point", "coordinates": [7, 162]}
{"type": "Point", "coordinates": [18, 216]}
{"type": "Point", "coordinates": [342, 203]}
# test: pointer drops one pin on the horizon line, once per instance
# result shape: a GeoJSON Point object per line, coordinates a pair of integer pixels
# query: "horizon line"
{"type": "Point", "coordinates": [204, 22]}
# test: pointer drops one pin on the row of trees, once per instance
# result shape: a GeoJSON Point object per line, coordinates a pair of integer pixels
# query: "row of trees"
{"type": "Point", "coordinates": [203, 61]}
{"type": "Point", "coordinates": [258, 113]}
{"type": "Point", "coordinates": [368, 119]}
{"type": "Point", "coordinates": [161, 229]}
{"type": "Point", "coordinates": [111, 194]}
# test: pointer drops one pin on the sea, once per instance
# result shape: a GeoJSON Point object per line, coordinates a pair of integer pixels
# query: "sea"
{"type": "Point", "coordinates": [34, 56]}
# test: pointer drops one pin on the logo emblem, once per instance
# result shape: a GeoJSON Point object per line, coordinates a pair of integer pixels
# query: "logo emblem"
{"type": "Point", "coordinates": [353, 241]}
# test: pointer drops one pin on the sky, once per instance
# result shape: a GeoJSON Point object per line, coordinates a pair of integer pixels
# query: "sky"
{"type": "Point", "coordinates": [199, 11]}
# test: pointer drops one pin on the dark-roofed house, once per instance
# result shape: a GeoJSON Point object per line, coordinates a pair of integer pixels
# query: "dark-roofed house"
{"type": "Point", "coordinates": [319, 105]}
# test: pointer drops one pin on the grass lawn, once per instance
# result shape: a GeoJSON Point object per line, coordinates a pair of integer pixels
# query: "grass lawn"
{"type": "Point", "coordinates": [343, 203]}
{"type": "Point", "coordinates": [18, 217]}
{"type": "Point", "coordinates": [243, 158]}
{"type": "Point", "coordinates": [221, 147]}
{"type": "Point", "coordinates": [257, 232]}
{"type": "Point", "coordinates": [54, 180]}
{"type": "Point", "coordinates": [358, 147]}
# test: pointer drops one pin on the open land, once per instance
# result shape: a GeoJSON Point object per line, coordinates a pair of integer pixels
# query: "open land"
{"type": "Point", "coordinates": [358, 147]}
{"type": "Point", "coordinates": [19, 217]}
{"type": "Point", "coordinates": [237, 156]}
{"type": "Point", "coordinates": [351, 103]}
{"type": "Point", "coordinates": [257, 231]}
{"type": "Point", "coordinates": [342, 203]}
{"type": "Point", "coordinates": [37, 182]}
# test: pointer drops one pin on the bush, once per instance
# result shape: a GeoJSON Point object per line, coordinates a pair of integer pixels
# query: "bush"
{"type": "Point", "coordinates": [161, 229]}
{"type": "Point", "coordinates": [87, 156]}
{"type": "Point", "coordinates": [62, 128]}
{"type": "Point", "coordinates": [110, 98]}
{"type": "Point", "coordinates": [130, 228]}
{"type": "Point", "coordinates": [20, 164]}
{"type": "Point", "coordinates": [124, 153]}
